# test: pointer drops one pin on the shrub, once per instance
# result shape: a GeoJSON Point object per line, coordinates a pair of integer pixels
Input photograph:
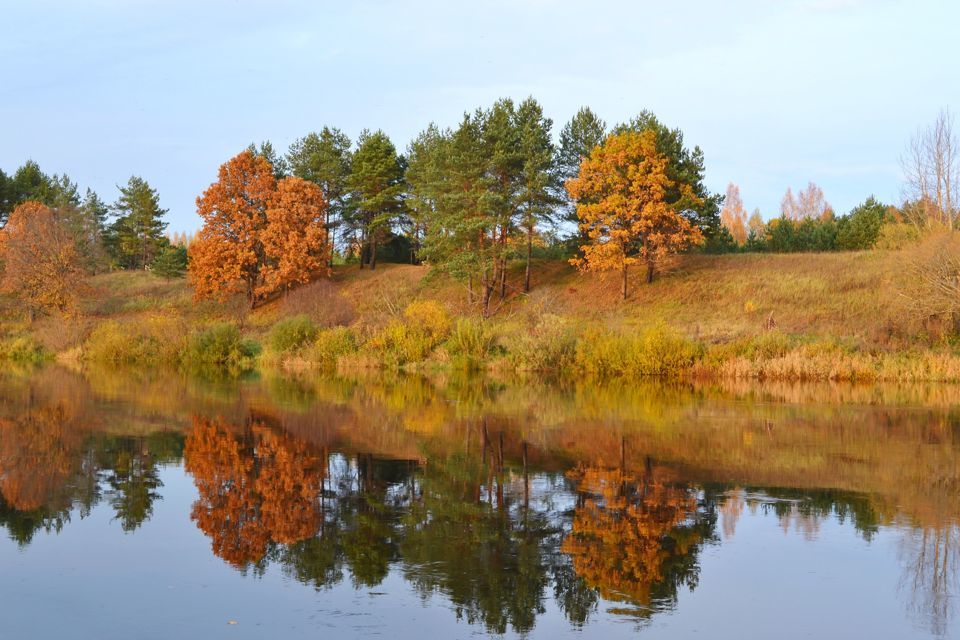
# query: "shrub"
{"type": "Point", "coordinates": [21, 349]}
{"type": "Point", "coordinates": [428, 316]}
{"type": "Point", "coordinates": [470, 342]}
{"type": "Point", "coordinates": [290, 334]}
{"type": "Point", "coordinates": [657, 350]}
{"type": "Point", "coordinates": [549, 346]}
{"type": "Point", "coordinates": [148, 341]}
{"type": "Point", "coordinates": [329, 346]}
{"type": "Point", "coordinates": [220, 345]}
{"type": "Point", "coordinates": [425, 325]}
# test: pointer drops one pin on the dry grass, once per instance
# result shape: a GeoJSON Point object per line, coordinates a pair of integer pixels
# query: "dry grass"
{"type": "Point", "coordinates": [838, 316]}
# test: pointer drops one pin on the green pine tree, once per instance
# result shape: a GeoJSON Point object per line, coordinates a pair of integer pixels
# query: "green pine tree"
{"type": "Point", "coordinates": [138, 229]}
{"type": "Point", "coordinates": [377, 184]}
{"type": "Point", "coordinates": [538, 190]}
{"type": "Point", "coordinates": [578, 138]}
{"type": "Point", "coordinates": [171, 262]}
{"type": "Point", "coordinates": [324, 159]}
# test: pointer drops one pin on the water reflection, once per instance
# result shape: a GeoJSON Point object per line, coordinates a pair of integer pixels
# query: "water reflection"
{"type": "Point", "coordinates": [502, 501]}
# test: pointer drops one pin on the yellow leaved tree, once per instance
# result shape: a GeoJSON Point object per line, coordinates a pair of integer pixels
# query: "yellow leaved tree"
{"type": "Point", "coordinates": [621, 194]}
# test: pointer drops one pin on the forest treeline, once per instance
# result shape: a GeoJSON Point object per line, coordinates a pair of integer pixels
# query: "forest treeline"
{"type": "Point", "coordinates": [471, 200]}
{"type": "Point", "coordinates": [482, 203]}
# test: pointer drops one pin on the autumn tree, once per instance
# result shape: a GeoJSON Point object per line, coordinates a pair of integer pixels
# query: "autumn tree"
{"type": "Point", "coordinates": [622, 191]}
{"type": "Point", "coordinates": [686, 169]}
{"type": "Point", "coordinates": [137, 233]}
{"type": "Point", "coordinates": [227, 256]}
{"type": "Point", "coordinates": [808, 204]}
{"type": "Point", "coordinates": [324, 159]}
{"type": "Point", "coordinates": [733, 216]}
{"type": "Point", "coordinates": [295, 235]}
{"type": "Point", "coordinates": [633, 538]}
{"type": "Point", "coordinates": [40, 262]}
{"type": "Point", "coordinates": [376, 183]}
{"type": "Point", "coordinates": [258, 236]}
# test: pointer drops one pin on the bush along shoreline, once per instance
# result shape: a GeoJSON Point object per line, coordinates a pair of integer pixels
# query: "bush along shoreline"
{"type": "Point", "coordinates": [424, 336]}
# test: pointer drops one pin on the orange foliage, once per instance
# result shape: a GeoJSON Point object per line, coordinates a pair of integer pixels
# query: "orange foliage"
{"type": "Point", "coordinates": [41, 265]}
{"type": "Point", "coordinates": [258, 236]}
{"type": "Point", "coordinates": [621, 203]}
{"type": "Point", "coordinates": [295, 234]}
{"type": "Point", "coordinates": [621, 532]}
{"type": "Point", "coordinates": [38, 453]}
{"type": "Point", "coordinates": [255, 490]}
{"type": "Point", "coordinates": [733, 216]}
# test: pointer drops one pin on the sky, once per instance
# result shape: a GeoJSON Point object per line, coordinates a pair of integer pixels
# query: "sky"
{"type": "Point", "coordinates": [777, 93]}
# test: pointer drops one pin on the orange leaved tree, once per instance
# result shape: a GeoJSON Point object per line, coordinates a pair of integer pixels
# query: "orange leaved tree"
{"type": "Point", "coordinates": [621, 195]}
{"type": "Point", "coordinates": [39, 257]}
{"type": "Point", "coordinates": [258, 236]}
{"type": "Point", "coordinates": [295, 236]}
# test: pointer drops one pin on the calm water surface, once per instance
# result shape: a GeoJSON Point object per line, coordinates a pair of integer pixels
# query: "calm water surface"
{"type": "Point", "coordinates": [167, 506]}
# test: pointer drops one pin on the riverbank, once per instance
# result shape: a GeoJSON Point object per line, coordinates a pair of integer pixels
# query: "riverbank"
{"type": "Point", "coordinates": [837, 316]}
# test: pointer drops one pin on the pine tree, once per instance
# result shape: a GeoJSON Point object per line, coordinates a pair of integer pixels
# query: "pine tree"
{"type": "Point", "coordinates": [324, 159]}
{"type": "Point", "coordinates": [5, 205]}
{"type": "Point", "coordinates": [537, 192]}
{"type": "Point", "coordinates": [376, 181]}
{"type": "Point", "coordinates": [578, 138]}
{"type": "Point", "coordinates": [280, 168]}
{"type": "Point", "coordinates": [171, 262]}
{"type": "Point", "coordinates": [138, 229]}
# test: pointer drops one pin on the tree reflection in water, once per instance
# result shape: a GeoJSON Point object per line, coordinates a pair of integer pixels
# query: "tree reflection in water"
{"type": "Point", "coordinates": [635, 536]}
{"type": "Point", "coordinates": [930, 557]}
{"type": "Point", "coordinates": [354, 487]}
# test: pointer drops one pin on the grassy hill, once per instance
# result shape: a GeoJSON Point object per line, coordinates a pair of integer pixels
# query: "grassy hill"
{"type": "Point", "coordinates": [831, 315]}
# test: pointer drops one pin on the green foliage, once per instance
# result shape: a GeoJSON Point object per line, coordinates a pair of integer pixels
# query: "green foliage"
{"type": "Point", "coordinates": [171, 262]}
{"type": "Point", "coordinates": [220, 345]}
{"type": "Point", "coordinates": [291, 334]}
{"type": "Point", "coordinates": [377, 184]}
{"type": "Point", "coordinates": [658, 350]}
{"type": "Point", "coordinates": [721, 242]}
{"type": "Point", "coordinates": [786, 236]}
{"type": "Point", "coordinates": [325, 160]}
{"type": "Point", "coordinates": [136, 236]}
{"type": "Point", "coordinates": [280, 167]}
{"type": "Point", "coordinates": [861, 228]}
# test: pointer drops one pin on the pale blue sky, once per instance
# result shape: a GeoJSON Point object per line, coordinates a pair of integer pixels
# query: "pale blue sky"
{"type": "Point", "coordinates": [776, 93]}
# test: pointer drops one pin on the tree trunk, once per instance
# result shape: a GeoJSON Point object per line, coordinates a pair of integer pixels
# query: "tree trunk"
{"type": "Point", "coordinates": [503, 279]}
{"type": "Point", "coordinates": [373, 254]}
{"type": "Point", "coordinates": [526, 276]}
{"type": "Point", "coordinates": [623, 288]}
{"type": "Point", "coordinates": [649, 271]}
